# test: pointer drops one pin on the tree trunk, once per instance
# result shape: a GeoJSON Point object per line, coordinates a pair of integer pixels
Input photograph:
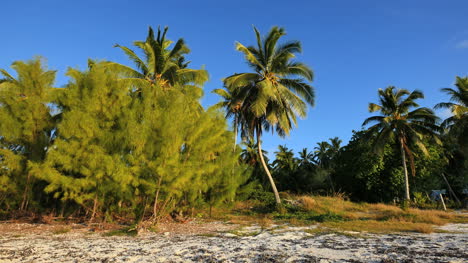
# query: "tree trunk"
{"type": "Point", "coordinates": [235, 133]}
{"type": "Point", "coordinates": [451, 190]}
{"type": "Point", "coordinates": [95, 205]}
{"type": "Point", "coordinates": [24, 203]}
{"type": "Point", "coordinates": [331, 183]}
{"type": "Point", "coordinates": [405, 169]}
{"type": "Point", "coordinates": [155, 206]}
{"type": "Point", "coordinates": [273, 186]}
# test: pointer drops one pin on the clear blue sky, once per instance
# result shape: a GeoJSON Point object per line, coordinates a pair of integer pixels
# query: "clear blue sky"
{"type": "Point", "coordinates": [354, 47]}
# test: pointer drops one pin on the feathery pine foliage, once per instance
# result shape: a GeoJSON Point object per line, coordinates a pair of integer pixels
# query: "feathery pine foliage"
{"type": "Point", "coordinates": [85, 163]}
{"type": "Point", "coordinates": [181, 153]}
{"type": "Point", "coordinates": [26, 129]}
{"type": "Point", "coordinates": [120, 150]}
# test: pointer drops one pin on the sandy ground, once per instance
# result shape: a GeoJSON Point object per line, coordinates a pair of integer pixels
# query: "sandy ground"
{"type": "Point", "coordinates": [219, 242]}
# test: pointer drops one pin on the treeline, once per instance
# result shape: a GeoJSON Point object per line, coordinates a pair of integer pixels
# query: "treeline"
{"type": "Point", "coordinates": [406, 141]}
{"type": "Point", "coordinates": [118, 142]}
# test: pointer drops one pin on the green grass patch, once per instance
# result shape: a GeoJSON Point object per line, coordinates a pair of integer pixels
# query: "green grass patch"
{"type": "Point", "coordinates": [310, 216]}
{"type": "Point", "coordinates": [61, 230]}
{"type": "Point", "coordinates": [128, 231]}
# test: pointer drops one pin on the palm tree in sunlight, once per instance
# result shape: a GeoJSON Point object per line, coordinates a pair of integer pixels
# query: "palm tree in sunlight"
{"type": "Point", "coordinates": [401, 123]}
{"type": "Point", "coordinates": [275, 93]}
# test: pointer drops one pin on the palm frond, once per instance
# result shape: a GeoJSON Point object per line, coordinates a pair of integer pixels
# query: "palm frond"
{"type": "Point", "coordinates": [123, 70]}
{"type": "Point", "coordinates": [301, 88]}
{"type": "Point", "coordinates": [133, 57]}
{"type": "Point", "coordinates": [249, 56]}
{"type": "Point", "coordinates": [241, 80]}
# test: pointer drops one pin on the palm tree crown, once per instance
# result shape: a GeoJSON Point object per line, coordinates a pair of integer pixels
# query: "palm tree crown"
{"type": "Point", "coordinates": [273, 94]}
{"type": "Point", "coordinates": [160, 65]}
{"type": "Point", "coordinates": [458, 104]}
{"type": "Point", "coordinates": [305, 157]}
{"type": "Point", "coordinates": [399, 122]}
{"type": "Point", "coordinates": [285, 159]}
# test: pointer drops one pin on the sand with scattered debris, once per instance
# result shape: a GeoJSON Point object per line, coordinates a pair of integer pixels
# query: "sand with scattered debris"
{"type": "Point", "coordinates": [220, 242]}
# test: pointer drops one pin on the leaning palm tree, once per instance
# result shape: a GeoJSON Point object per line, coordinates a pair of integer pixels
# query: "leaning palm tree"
{"type": "Point", "coordinates": [161, 64]}
{"type": "Point", "coordinates": [399, 122]}
{"type": "Point", "coordinates": [273, 94]}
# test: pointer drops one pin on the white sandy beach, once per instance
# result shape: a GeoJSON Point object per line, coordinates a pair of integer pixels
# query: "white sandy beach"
{"type": "Point", "coordinates": [232, 243]}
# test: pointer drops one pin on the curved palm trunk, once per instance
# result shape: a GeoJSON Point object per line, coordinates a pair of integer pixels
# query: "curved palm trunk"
{"type": "Point", "coordinates": [405, 169]}
{"type": "Point", "coordinates": [273, 185]}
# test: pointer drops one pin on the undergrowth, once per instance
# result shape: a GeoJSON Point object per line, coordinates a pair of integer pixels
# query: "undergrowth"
{"type": "Point", "coordinates": [338, 213]}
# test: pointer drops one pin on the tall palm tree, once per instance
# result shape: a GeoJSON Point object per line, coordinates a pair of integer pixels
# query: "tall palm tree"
{"type": "Point", "coordinates": [399, 122]}
{"type": "Point", "coordinates": [232, 105]}
{"type": "Point", "coordinates": [322, 153]}
{"type": "Point", "coordinates": [273, 94]}
{"type": "Point", "coordinates": [458, 122]}
{"type": "Point", "coordinates": [161, 64]}
{"type": "Point", "coordinates": [459, 104]}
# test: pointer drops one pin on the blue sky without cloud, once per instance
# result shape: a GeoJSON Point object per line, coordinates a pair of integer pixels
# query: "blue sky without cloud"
{"type": "Point", "coordinates": [355, 47]}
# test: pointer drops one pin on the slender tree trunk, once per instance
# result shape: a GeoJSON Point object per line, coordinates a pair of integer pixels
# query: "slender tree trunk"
{"type": "Point", "coordinates": [331, 182]}
{"type": "Point", "coordinates": [24, 203]}
{"type": "Point", "coordinates": [405, 169]}
{"type": "Point", "coordinates": [450, 189]}
{"type": "Point", "coordinates": [95, 205]}
{"type": "Point", "coordinates": [155, 206]}
{"type": "Point", "coordinates": [235, 134]}
{"type": "Point", "coordinates": [273, 185]}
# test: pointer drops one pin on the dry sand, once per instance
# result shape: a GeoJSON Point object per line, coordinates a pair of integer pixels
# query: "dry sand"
{"type": "Point", "coordinates": [219, 242]}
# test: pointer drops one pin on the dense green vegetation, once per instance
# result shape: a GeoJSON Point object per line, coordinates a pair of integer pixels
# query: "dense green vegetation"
{"type": "Point", "coordinates": [121, 142]}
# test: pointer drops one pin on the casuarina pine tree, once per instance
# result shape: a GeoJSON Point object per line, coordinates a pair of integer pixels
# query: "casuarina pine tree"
{"type": "Point", "coordinates": [26, 125]}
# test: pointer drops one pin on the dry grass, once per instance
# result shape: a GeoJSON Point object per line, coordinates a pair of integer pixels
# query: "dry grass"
{"type": "Point", "coordinates": [339, 214]}
{"type": "Point", "coordinates": [379, 212]}
{"type": "Point", "coordinates": [374, 226]}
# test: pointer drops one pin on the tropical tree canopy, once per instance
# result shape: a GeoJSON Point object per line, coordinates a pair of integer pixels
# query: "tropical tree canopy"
{"type": "Point", "coordinates": [401, 123]}
{"type": "Point", "coordinates": [160, 63]}
{"type": "Point", "coordinates": [457, 124]}
{"type": "Point", "coordinates": [458, 105]}
{"type": "Point", "coordinates": [128, 143]}
{"type": "Point", "coordinates": [277, 90]}
{"type": "Point", "coordinates": [270, 97]}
